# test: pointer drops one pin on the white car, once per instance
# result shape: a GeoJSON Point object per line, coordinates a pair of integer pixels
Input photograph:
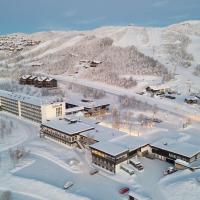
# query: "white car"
{"type": "Point", "coordinates": [93, 171]}
{"type": "Point", "coordinates": [137, 164]}
{"type": "Point", "coordinates": [68, 184]}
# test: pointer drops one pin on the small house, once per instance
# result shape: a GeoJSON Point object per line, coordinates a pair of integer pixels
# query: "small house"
{"type": "Point", "coordinates": [24, 79]}
{"type": "Point", "coordinates": [95, 63]}
{"type": "Point", "coordinates": [50, 83]}
{"type": "Point", "coordinates": [40, 82]}
{"type": "Point", "coordinates": [30, 80]}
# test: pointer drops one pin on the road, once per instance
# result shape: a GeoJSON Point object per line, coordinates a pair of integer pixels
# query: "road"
{"type": "Point", "coordinates": [169, 106]}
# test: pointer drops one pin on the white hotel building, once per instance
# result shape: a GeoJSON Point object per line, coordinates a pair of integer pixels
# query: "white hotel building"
{"type": "Point", "coordinates": [31, 108]}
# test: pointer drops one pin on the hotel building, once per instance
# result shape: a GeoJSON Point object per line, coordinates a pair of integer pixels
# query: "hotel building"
{"type": "Point", "coordinates": [31, 108]}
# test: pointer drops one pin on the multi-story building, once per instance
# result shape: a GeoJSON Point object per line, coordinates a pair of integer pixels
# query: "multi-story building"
{"type": "Point", "coordinates": [64, 131]}
{"type": "Point", "coordinates": [31, 108]}
{"type": "Point", "coordinates": [110, 154]}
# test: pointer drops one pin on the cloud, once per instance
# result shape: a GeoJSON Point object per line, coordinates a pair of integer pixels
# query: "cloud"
{"type": "Point", "coordinates": [91, 21]}
{"type": "Point", "coordinates": [160, 3]}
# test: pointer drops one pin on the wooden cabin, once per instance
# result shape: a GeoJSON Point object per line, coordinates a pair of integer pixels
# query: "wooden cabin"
{"type": "Point", "coordinates": [95, 63]}
{"type": "Point", "coordinates": [31, 80]}
{"type": "Point", "coordinates": [24, 79]}
{"type": "Point", "coordinates": [50, 83]}
{"type": "Point", "coordinates": [40, 82]}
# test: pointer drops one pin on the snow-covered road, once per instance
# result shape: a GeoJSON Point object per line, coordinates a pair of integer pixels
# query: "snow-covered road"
{"type": "Point", "coordinates": [169, 106]}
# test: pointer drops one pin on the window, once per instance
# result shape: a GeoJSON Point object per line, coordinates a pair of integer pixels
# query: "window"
{"type": "Point", "coordinates": [58, 111]}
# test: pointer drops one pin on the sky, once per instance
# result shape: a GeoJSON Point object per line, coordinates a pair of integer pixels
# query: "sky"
{"type": "Point", "coordinates": [43, 15]}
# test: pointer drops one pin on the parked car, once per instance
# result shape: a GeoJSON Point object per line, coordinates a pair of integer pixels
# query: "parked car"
{"type": "Point", "coordinates": [127, 169]}
{"type": "Point", "coordinates": [94, 171]}
{"type": "Point", "coordinates": [123, 190]}
{"type": "Point", "coordinates": [191, 101]}
{"type": "Point", "coordinates": [140, 93]}
{"type": "Point", "coordinates": [170, 97]}
{"type": "Point", "coordinates": [156, 120]}
{"type": "Point", "coordinates": [68, 184]}
{"type": "Point", "coordinates": [169, 170]}
{"type": "Point", "coordinates": [137, 164]}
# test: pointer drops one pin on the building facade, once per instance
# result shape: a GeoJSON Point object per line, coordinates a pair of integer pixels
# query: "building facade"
{"type": "Point", "coordinates": [170, 151]}
{"type": "Point", "coordinates": [31, 108]}
{"type": "Point", "coordinates": [108, 155]}
{"type": "Point", "coordinates": [38, 81]}
{"type": "Point", "coordinates": [64, 131]}
{"type": "Point", "coordinates": [59, 136]}
{"type": "Point", "coordinates": [9, 105]}
{"type": "Point", "coordinates": [24, 79]}
{"type": "Point", "coordinates": [32, 112]}
{"type": "Point", "coordinates": [50, 83]}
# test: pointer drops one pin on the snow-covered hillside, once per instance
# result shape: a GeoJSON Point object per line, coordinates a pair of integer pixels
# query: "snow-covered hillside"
{"type": "Point", "coordinates": [129, 50]}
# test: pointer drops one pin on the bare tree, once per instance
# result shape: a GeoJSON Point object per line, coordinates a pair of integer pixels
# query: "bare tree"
{"type": "Point", "coordinates": [115, 118]}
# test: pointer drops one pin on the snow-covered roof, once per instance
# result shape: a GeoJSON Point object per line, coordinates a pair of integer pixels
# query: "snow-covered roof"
{"type": "Point", "coordinates": [32, 77]}
{"type": "Point", "coordinates": [74, 109]}
{"type": "Point", "coordinates": [109, 148]}
{"type": "Point", "coordinates": [102, 134]}
{"type": "Point", "coordinates": [89, 121]}
{"type": "Point", "coordinates": [50, 79]}
{"type": "Point", "coordinates": [24, 98]}
{"type": "Point", "coordinates": [96, 61]}
{"type": "Point", "coordinates": [26, 76]}
{"type": "Point", "coordinates": [185, 149]}
{"type": "Point", "coordinates": [158, 87]}
{"type": "Point", "coordinates": [68, 128]}
{"type": "Point", "coordinates": [130, 142]}
{"type": "Point", "coordinates": [182, 162]}
{"type": "Point", "coordinates": [41, 78]}
{"type": "Point", "coordinates": [89, 105]}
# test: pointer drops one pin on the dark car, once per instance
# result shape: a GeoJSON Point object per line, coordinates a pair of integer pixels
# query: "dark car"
{"type": "Point", "coordinates": [191, 101]}
{"type": "Point", "coordinates": [170, 170]}
{"type": "Point", "coordinates": [170, 97]}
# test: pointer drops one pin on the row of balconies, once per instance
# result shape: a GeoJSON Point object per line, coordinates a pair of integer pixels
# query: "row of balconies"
{"type": "Point", "coordinates": [10, 110]}
{"type": "Point", "coordinates": [30, 108]}
{"type": "Point", "coordinates": [3, 99]}
{"type": "Point", "coordinates": [9, 104]}
{"type": "Point", "coordinates": [59, 135]}
{"type": "Point", "coordinates": [32, 118]}
{"type": "Point", "coordinates": [9, 107]}
{"type": "Point", "coordinates": [31, 115]}
{"type": "Point", "coordinates": [31, 111]}
{"type": "Point", "coordinates": [26, 105]}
